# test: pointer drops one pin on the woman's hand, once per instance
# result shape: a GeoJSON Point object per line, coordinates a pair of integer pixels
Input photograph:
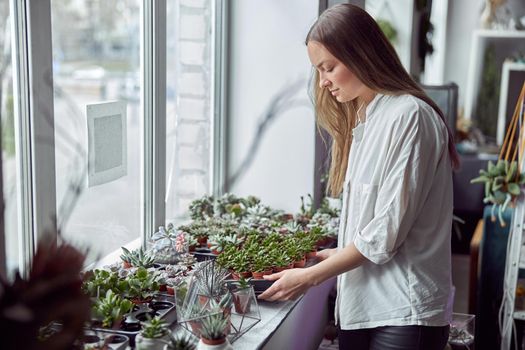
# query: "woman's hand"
{"type": "Point", "coordinates": [325, 253]}
{"type": "Point", "coordinates": [288, 285]}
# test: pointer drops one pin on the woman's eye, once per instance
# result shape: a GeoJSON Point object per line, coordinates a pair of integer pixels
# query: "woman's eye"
{"type": "Point", "coordinates": [329, 70]}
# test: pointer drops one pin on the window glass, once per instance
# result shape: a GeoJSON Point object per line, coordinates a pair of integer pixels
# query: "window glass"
{"type": "Point", "coordinates": [189, 104]}
{"type": "Point", "coordinates": [10, 179]}
{"type": "Point", "coordinates": [96, 58]}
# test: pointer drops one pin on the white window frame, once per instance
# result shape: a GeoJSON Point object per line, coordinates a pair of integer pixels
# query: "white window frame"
{"type": "Point", "coordinates": [153, 85]}
{"type": "Point", "coordinates": [34, 120]}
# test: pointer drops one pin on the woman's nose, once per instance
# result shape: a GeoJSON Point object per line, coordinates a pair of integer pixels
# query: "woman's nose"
{"type": "Point", "coordinates": [324, 83]}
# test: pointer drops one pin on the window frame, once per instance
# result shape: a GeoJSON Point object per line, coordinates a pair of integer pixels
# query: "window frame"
{"type": "Point", "coordinates": [34, 119]}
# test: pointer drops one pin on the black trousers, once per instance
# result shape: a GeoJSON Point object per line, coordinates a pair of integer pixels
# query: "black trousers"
{"type": "Point", "coordinates": [394, 338]}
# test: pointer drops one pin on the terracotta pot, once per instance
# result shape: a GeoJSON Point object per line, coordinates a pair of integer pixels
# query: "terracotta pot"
{"type": "Point", "coordinates": [170, 290]}
{"type": "Point", "coordinates": [279, 268]}
{"type": "Point", "coordinates": [191, 248]}
{"type": "Point", "coordinates": [163, 287]}
{"type": "Point", "coordinates": [300, 263]}
{"type": "Point", "coordinates": [311, 255]}
{"type": "Point", "coordinates": [205, 345]}
{"type": "Point", "coordinates": [202, 241]}
{"type": "Point", "coordinates": [321, 242]}
{"type": "Point", "coordinates": [267, 272]}
{"type": "Point", "coordinates": [242, 301]}
{"type": "Point", "coordinates": [238, 275]}
{"type": "Point", "coordinates": [213, 341]}
{"type": "Point", "coordinates": [258, 275]}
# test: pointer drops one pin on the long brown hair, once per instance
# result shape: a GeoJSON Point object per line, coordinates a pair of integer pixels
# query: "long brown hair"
{"type": "Point", "coordinates": [355, 39]}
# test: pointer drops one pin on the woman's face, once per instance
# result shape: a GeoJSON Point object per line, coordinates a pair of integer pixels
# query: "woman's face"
{"type": "Point", "coordinates": [334, 75]}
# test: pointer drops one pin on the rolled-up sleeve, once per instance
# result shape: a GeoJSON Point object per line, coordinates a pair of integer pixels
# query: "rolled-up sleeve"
{"type": "Point", "coordinates": [402, 187]}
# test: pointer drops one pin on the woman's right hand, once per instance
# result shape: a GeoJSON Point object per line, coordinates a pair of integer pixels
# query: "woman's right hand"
{"type": "Point", "coordinates": [325, 253]}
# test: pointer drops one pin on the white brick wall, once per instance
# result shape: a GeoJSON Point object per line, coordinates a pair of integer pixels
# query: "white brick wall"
{"type": "Point", "coordinates": [191, 171]}
{"type": "Point", "coordinates": [192, 109]}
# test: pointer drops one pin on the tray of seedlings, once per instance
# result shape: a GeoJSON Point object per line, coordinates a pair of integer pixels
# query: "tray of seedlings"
{"type": "Point", "coordinates": [125, 298]}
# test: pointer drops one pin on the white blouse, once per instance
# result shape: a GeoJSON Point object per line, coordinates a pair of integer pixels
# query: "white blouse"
{"type": "Point", "coordinates": [397, 209]}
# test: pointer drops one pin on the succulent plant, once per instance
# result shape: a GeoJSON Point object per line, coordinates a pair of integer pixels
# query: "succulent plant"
{"type": "Point", "coordinates": [181, 342]}
{"type": "Point", "coordinates": [154, 328]}
{"type": "Point", "coordinates": [98, 282]}
{"type": "Point", "coordinates": [502, 184]}
{"type": "Point", "coordinates": [214, 326]}
{"type": "Point", "coordinates": [220, 242]}
{"type": "Point", "coordinates": [138, 257]}
{"type": "Point", "coordinates": [142, 284]}
{"type": "Point", "coordinates": [210, 278]}
{"type": "Point", "coordinates": [226, 300]}
{"type": "Point", "coordinates": [111, 308]}
{"type": "Point", "coordinates": [202, 208]}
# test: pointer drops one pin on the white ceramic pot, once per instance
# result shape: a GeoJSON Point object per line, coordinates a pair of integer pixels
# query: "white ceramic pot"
{"type": "Point", "coordinates": [142, 343]}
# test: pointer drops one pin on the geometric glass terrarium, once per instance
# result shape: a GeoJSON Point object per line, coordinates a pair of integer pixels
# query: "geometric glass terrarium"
{"type": "Point", "coordinates": [461, 334]}
{"type": "Point", "coordinates": [207, 294]}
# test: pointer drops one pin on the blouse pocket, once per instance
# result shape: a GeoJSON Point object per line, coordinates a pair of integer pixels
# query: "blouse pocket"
{"type": "Point", "coordinates": [366, 202]}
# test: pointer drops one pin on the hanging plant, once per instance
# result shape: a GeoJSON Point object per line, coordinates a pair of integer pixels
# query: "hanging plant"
{"type": "Point", "coordinates": [503, 180]}
{"type": "Point", "coordinates": [502, 186]}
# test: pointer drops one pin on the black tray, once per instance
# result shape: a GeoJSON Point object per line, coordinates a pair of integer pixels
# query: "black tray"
{"type": "Point", "coordinates": [169, 315]}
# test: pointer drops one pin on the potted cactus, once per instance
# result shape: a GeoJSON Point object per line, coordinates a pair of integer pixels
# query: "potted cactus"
{"type": "Point", "coordinates": [155, 335]}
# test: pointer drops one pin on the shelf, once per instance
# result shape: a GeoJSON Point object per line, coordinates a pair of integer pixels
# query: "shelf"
{"type": "Point", "coordinates": [510, 34]}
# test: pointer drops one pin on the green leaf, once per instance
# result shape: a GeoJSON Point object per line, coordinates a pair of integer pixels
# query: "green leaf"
{"type": "Point", "coordinates": [491, 167]}
{"type": "Point", "coordinates": [499, 197]}
{"type": "Point", "coordinates": [514, 189]}
{"type": "Point", "coordinates": [512, 171]}
{"type": "Point", "coordinates": [480, 179]}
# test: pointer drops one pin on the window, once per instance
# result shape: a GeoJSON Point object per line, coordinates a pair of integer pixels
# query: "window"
{"type": "Point", "coordinates": [96, 58]}
{"type": "Point", "coordinates": [9, 172]}
{"type": "Point", "coordinates": [103, 51]}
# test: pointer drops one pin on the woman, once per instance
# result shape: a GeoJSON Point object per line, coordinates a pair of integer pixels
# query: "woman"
{"type": "Point", "coordinates": [392, 158]}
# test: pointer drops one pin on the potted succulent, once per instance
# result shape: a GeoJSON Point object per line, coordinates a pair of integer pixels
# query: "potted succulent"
{"type": "Point", "coordinates": [261, 265]}
{"type": "Point", "coordinates": [98, 282]}
{"type": "Point", "coordinates": [192, 242]}
{"type": "Point", "coordinates": [142, 258]}
{"type": "Point", "coordinates": [111, 308]}
{"type": "Point", "coordinates": [141, 285]}
{"type": "Point", "coordinates": [242, 293]}
{"type": "Point", "coordinates": [503, 182]}
{"type": "Point", "coordinates": [213, 335]}
{"type": "Point", "coordinates": [155, 335]}
{"type": "Point", "coordinates": [126, 257]}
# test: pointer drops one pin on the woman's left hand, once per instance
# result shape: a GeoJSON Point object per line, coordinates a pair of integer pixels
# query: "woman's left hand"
{"type": "Point", "coordinates": [288, 285]}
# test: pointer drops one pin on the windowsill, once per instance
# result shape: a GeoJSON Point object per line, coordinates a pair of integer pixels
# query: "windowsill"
{"type": "Point", "coordinates": [114, 256]}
